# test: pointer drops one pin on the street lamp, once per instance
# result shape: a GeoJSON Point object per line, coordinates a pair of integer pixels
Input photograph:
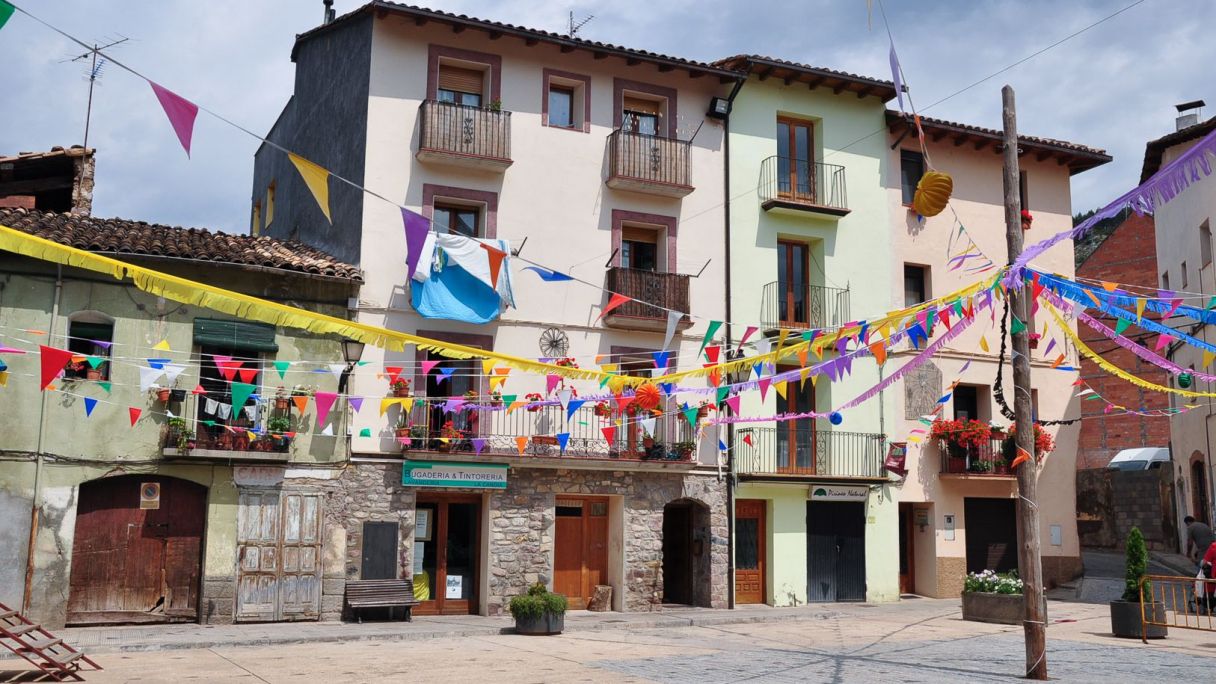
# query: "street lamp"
{"type": "Point", "coordinates": [352, 351]}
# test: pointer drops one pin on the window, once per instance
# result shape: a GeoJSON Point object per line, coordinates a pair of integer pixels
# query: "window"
{"type": "Point", "coordinates": [916, 284]}
{"type": "Point", "coordinates": [561, 106]}
{"type": "Point", "coordinates": [1205, 244]}
{"type": "Point", "coordinates": [1165, 280]}
{"type": "Point", "coordinates": [911, 168]}
{"type": "Point", "coordinates": [795, 157]}
{"type": "Point", "coordinates": [456, 219]}
{"type": "Point", "coordinates": [217, 371]}
{"type": "Point", "coordinates": [90, 336]}
{"type": "Point", "coordinates": [966, 403]}
{"type": "Point", "coordinates": [640, 248]}
{"type": "Point", "coordinates": [792, 283]}
{"type": "Point", "coordinates": [640, 116]}
{"type": "Point", "coordinates": [460, 85]}
{"type": "Point", "coordinates": [270, 204]}
{"type": "Point", "coordinates": [1023, 190]}
{"type": "Point", "coordinates": [255, 222]}
{"type": "Point", "coordinates": [1182, 279]}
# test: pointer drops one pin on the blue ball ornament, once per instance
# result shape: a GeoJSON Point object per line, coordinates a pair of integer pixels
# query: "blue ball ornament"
{"type": "Point", "coordinates": [836, 418]}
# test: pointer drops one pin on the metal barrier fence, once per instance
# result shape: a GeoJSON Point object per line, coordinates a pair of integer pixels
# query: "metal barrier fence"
{"type": "Point", "coordinates": [1190, 609]}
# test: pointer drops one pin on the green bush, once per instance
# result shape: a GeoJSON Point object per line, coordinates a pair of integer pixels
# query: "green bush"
{"type": "Point", "coordinates": [1137, 563]}
{"type": "Point", "coordinates": [538, 602]}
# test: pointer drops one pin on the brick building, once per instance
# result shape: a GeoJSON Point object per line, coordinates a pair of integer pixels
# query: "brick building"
{"type": "Point", "coordinates": [1129, 256]}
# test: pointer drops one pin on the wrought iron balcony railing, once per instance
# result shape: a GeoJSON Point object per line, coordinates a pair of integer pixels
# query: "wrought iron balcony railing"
{"type": "Point", "coordinates": [802, 185]}
{"type": "Point", "coordinates": [798, 306]}
{"type": "Point", "coordinates": [790, 449]}
{"type": "Point", "coordinates": [649, 164]}
{"type": "Point", "coordinates": [466, 136]}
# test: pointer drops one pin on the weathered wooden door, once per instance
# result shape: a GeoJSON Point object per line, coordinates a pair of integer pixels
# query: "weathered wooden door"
{"type": "Point", "coordinates": [580, 548]}
{"type": "Point", "coordinates": [133, 564]}
{"type": "Point", "coordinates": [278, 556]}
{"type": "Point", "coordinates": [749, 551]}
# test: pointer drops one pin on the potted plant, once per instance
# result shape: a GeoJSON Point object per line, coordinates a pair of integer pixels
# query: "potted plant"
{"type": "Point", "coordinates": [1000, 467]}
{"type": "Point", "coordinates": [279, 426]}
{"type": "Point", "coordinates": [449, 433]}
{"type": "Point", "coordinates": [683, 450]}
{"type": "Point", "coordinates": [403, 427]}
{"type": "Point", "coordinates": [981, 466]}
{"type": "Point", "coordinates": [1043, 443]}
{"type": "Point", "coordinates": [281, 402]}
{"type": "Point", "coordinates": [495, 398]}
{"type": "Point", "coordinates": [602, 410]}
{"type": "Point", "coordinates": [539, 612]}
{"type": "Point", "coordinates": [959, 438]}
{"type": "Point", "coordinates": [495, 105]}
{"type": "Point", "coordinates": [1125, 614]}
{"type": "Point", "coordinates": [990, 596]}
{"type": "Point", "coordinates": [1034, 340]}
{"type": "Point", "coordinates": [161, 393]}
{"type": "Point", "coordinates": [400, 387]}
{"type": "Point", "coordinates": [533, 398]}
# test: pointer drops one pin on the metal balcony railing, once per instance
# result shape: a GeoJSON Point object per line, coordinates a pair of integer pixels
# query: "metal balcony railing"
{"type": "Point", "coordinates": [790, 449]}
{"type": "Point", "coordinates": [669, 290]}
{"type": "Point", "coordinates": [987, 459]}
{"type": "Point", "coordinates": [473, 132]}
{"type": "Point", "coordinates": [799, 306]}
{"type": "Point", "coordinates": [672, 433]}
{"type": "Point", "coordinates": [649, 163]}
{"type": "Point", "coordinates": [798, 183]}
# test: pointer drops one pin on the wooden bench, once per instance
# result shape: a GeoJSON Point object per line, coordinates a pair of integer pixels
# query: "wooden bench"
{"type": "Point", "coordinates": [381, 593]}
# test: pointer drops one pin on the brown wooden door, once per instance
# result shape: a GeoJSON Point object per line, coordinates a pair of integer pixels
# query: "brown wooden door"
{"type": "Point", "coordinates": [580, 548]}
{"type": "Point", "coordinates": [907, 553]}
{"type": "Point", "coordinates": [449, 567]}
{"type": "Point", "coordinates": [793, 284]}
{"type": "Point", "coordinates": [795, 160]}
{"type": "Point", "coordinates": [749, 551]}
{"type": "Point", "coordinates": [796, 441]}
{"type": "Point", "coordinates": [136, 565]}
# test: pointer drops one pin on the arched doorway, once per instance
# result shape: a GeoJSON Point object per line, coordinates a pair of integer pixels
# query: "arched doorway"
{"type": "Point", "coordinates": [137, 550]}
{"type": "Point", "coordinates": [1199, 490]}
{"type": "Point", "coordinates": [686, 566]}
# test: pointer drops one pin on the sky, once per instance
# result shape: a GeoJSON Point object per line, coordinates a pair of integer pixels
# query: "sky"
{"type": "Point", "coordinates": [1113, 87]}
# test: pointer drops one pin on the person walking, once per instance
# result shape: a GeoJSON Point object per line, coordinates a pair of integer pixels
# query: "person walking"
{"type": "Point", "coordinates": [1198, 538]}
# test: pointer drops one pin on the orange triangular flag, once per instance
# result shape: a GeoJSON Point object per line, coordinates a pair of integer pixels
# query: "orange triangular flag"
{"type": "Point", "coordinates": [1059, 360]}
{"type": "Point", "coordinates": [1022, 457]}
{"type": "Point", "coordinates": [496, 256]}
{"type": "Point", "coordinates": [802, 356]}
{"type": "Point", "coordinates": [301, 401]}
{"type": "Point", "coordinates": [1109, 286]}
{"type": "Point", "coordinates": [614, 302]}
{"type": "Point", "coordinates": [879, 350]}
{"type": "Point", "coordinates": [521, 443]}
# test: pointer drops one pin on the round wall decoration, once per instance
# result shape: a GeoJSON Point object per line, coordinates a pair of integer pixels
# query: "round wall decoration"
{"type": "Point", "coordinates": [554, 343]}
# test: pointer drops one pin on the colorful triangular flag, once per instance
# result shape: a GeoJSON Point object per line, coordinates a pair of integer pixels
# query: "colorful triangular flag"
{"type": "Point", "coordinates": [181, 113]}
{"type": "Point", "coordinates": [317, 180]}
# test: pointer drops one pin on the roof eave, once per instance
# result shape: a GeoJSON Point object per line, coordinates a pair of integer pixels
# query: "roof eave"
{"type": "Point", "coordinates": [815, 78]}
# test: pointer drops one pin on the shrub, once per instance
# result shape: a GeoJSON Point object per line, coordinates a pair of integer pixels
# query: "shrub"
{"type": "Point", "coordinates": [1137, 563]}
{"type": "Point", "coordinates": [537, 603]}
{"type": "Point", "coordinates": [992, 582]}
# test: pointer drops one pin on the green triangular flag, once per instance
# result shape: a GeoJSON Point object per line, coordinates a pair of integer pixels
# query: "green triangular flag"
{"type": "Point", "coordinates": [508, 399]}
{"type": "Point", "coordinates": [365, 432]}
{"type": "Point", "coordinates": [105, 385]}
{"type": "Point", "coordinates": [691, 414]}
{"type": "Point", "coordinates": [1211, 304]}
{"type": "Point", "coordinates": [958, 308]}
{"type": "Point", "coordinates": [604, 380]}
{"type": "Point", "coordinates": [362, 363]}
{"type": "Point", "coordinates": [96, 361]}
{"type": "Point", "coordinates": [240, 395]}
{"type": "Point", "coordinates": [6, 11]}
{"type": "Point", "coordinates": [723, 392]}
{"type": "Point", "coordinates": [709, 334]}
{"type": "Point", "coordinates": [1016, 326]}
{"type": "Point", "coordinates": [1121, 325]}
{"type": "Point", "coordinates": [806, 336]}
{"type": "Point", "coordinates": [281, 367]}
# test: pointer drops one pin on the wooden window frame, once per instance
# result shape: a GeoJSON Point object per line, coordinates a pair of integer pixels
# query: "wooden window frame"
{"type": "Point", "coordinates": [648, 91]}
{"type": "Point", "coordinates": [907, 201]}
{"type": "Point", "coordinates": [1205, 243]}
{"type": "Point", "coordinates": [792, 193]}
{"type": "Point", "coordinates": [925, 282]}
{"type": "Point", "coordinates": [668, 224]}
{"type": "Point", "coordinates": [443, 53]}
{"type": "Point", "coordinates": [791, 426]}
{"type": "Point", "coordinates": [446, 194]}
{"type": "Point", "coordinates": [786, 317]}
{"type": "Point", "coordinates": [576, 83]}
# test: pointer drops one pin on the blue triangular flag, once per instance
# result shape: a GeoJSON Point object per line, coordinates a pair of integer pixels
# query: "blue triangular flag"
{"type": "Point", "coordinates": [667, 387]}
{"type": "Point", "coordinates": [574, 405]}
{"type": "Point", "coordinates": [446, 373]}
{"type": "Point", "coordinates": [158, 364]}
{"type": "Point", "coordinates": [660, 358]}
{"type": "Point", "coordinates": [721, 445]}
{"type": "Point", "coordinates": [547, 275]}
{"type": "Point", "coordinates": [89, 403]}
{"type": "Point", "coordinates": [562, 438]}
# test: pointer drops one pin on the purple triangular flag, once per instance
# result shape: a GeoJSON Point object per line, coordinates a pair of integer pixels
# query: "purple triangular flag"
{"type": "Point", "coordinates": [355, 402]}
{"type": "Point", "coordinates": [479, 443]}
{"type": "Point", "coordinates": [452, 405]}
{"type": "Point", "coordinates": [181, 113]}
{"type": "Point", "coordinates": [416, 228]}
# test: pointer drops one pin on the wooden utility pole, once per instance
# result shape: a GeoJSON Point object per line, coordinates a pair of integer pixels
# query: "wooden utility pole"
{"type": "Point", "coordinates": [1030, 563]}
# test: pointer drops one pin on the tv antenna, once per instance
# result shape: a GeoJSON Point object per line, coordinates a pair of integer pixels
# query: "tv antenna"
{"type": "Point", "coordinates": [95, 69]}
{"type": "Point", "coordinates": [573, 28]}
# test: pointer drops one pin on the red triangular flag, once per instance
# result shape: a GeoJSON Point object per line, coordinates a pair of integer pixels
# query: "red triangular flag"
{"type": "Point", "coordinates": [747, 439]}
{"type": "Point", "coordinates": [711, 353]}
{"type": "Point", "coordinates": [393, 372]}
{"type": "Point", "coordinates": [198, 389]}
{"type": "Point", "coordinates": [496, 256]}
{"type": "Point", "coordinates": [248, 374]}
{"type": "Point", "coordinates": [609, 432]}
{"type": "Point", "coordinates": [53, 361]}
{"type": "Point", "coordinates": [181, 113]}
{"type": "Point", "coordinates": [614, 302]}
{"type": "Point", "coordinates": [228, 367]}
{"type": "Point", "coordinates": [134, 413]}
{"type": "Point", "coordinates": [623, 402]}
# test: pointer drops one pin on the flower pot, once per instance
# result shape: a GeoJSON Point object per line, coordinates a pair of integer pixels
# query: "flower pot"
{"type": "Point", "coordinates": [403, 433]}
{"type": "Point", "coordinates": [92, 374]}
{"type": "Point", "coordinates": [1001, 609]}
{"type": "Point", "coordinates": [162, 395]}
{"type": "Point", "coordinates": [401, 392]}
{"type": "Point", "coordinates": [956, 464]}
{"type": "Point", "coordinates": [281, 403]}
{"type": "Point", "coordinates": [541, 625]}
{"type": "Point", "coordinates": [1125, 619]}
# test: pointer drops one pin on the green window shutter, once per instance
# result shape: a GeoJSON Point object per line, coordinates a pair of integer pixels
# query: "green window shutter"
{"type": "Point", "coordinates": [235, 334]}
{"type": "Point", "coordinates": [92, 331]}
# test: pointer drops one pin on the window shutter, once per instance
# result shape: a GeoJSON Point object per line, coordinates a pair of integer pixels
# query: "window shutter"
{"type": "Point", "coordinates": [634, 104]}
{"type": "Point", "coordinates": [637, 234]}
{"type": "Point", "coordinates": [258, 337]}
{"type": "Point", "coordinates": [461, 80]}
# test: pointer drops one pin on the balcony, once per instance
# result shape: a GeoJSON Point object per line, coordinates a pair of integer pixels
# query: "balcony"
{"type": "Point", "coordinates": [799, 186]}
{"type": "Point", "coordinates": [799, 452]}
{"type": "Point", "coordinates": [218, 442]}
{"type": "Point", "coordinates": [797, 306]}
{"type": "Point", "coordinates": [648, 164]}
{"type": "Point", "coordinates": [472, 137]}
{"type": "Point", "coordinates": [669, 290]}
{"type": "Point", "coordinates": [986, 461]}
{"type": "Point", "coordinates": [500, 430]}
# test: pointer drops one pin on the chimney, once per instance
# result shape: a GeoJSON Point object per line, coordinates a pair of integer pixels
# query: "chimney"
{"type": "Point", "coordinates": [329, 11]}
{"type": "Point", "coordinates": [1188, 114]}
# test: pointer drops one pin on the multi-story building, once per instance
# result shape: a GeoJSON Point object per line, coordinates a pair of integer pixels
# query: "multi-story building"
{"type": "Point", "coordinates": [151, 490]}
{"type": "Point", "coordinates": [596, 161]}
{"type": "Point", "coordinates": [957, 515]}
{"type": "Point", "coordinates": [1184, 263]}
{"type": "Point", "coordinates": [814, 517]}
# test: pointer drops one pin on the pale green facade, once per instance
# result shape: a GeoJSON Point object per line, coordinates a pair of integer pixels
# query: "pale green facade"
{"type": "Point", "coordinates": [49, 448]}
{"type": "Point", "coordinates": [849, 252]}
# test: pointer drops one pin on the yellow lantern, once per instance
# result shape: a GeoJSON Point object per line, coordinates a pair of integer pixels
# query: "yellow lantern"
{"type": "Point", "coordinates": [932, 193]}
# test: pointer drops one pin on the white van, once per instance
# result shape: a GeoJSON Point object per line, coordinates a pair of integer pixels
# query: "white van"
{"type": "Point", "coordinates": [1144, 458]}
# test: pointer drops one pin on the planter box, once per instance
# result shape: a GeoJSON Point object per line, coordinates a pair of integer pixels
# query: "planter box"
{"type": "Point", "coordinates": [1125, 619]}
{"type": "Point", "coordinates": [540, 626]}
{"type": "Point", "coordinates": [1001, 609]}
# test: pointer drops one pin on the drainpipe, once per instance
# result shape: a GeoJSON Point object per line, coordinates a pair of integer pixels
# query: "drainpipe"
{"type": "Point", "coordinates": [730, 429]}
{"type": "Point", "coordinates": [37, 503]}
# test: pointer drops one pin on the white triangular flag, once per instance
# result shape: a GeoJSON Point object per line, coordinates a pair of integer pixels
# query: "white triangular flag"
{"type": "Point", "coordinates": [648, 425]}
{"type": "Point", "coordinates": [148, 376]}
{"type": "Point", "coordinates": [764, 345]}
{"type": "Point", "coordinates": [673, 318]}
{"type": "Point", "coordinates": [564, 397]}
{"type": "Point", "coordinates": [172, 370]}
{"type": "Point", "coordinates": [329, 430]}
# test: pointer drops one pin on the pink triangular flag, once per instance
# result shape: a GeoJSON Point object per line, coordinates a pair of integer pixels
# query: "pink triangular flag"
{"type": "Point", "coordinates": [733, 403]}
{"type": "Point", "coordinates": [428, 366]}
{"type": "Point", "coordinates": [198, 389]}
{"type": "Point", "coordinates": [181, 113]}
{"type": "Point", "coordinates": [324, 402]}
{"type": "Point", "coordinates": [764, 383]}
{"type": "Point", "coordinates": [746, 334]}
{"type": "Point", "coordinates": [551, 381]}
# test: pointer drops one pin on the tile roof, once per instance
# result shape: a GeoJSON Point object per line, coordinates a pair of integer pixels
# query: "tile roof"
{"type": "Point", "coordinates": [56, 151]}
{"type": "Point", "coordinates": [764, 65]}
{"type": "Point", "coordinates": [1154, 149]}
{"type": "Point", "coordinates": [197, 244]}
{"type": "Point", "coordinates": [423, 14]}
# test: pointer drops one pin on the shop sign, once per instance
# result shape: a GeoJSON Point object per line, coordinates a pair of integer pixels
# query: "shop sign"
{"type": "Point", "coordinates": [456, 475]}
{"type": "Point", "coordinates": [824, 492]}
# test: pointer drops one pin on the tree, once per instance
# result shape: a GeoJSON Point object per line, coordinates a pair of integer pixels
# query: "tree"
{"type": "Point", "coordinates": [1137, 563]}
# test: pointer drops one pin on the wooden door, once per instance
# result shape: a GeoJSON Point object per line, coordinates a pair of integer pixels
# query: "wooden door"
{"type": "Point", "coordinates": [450, 566]}
{"type": "Point", "coordinates": [136, 565]}
{"type": "Point", "coordinates": [278, 556]}
{"type": "Point", "coordinates": [580, 548]}
{"type": "Point", "coordinates": [907, 554]}
{"type": "Point", "coordinates": [749, 551]}
{"type": "Point", "coordinates": [796, 439]}
{"type": "Point", "coordinates": [793, 284]}
{"type": "Point", "coordinates": [795, 160]}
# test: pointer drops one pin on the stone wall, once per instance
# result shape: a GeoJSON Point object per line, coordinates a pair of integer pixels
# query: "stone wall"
{"type": "Point", "coordinates": [1111, 502]}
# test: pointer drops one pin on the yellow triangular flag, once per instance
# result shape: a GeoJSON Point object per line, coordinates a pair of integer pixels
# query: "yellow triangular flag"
{"type": "Point", "coordinates": [3, 378]}
{"type": "Point", "coordinates": [443, 439]}
{"type": "Point", "coordinates": [609, 367]}
{"type": "Point", "coordinates": [802, 376]}
{"type": "Point", "coordinates": [487, 366]}
{"type": "Point", "coordinates": [163, 345]}
{"type": "Point", "coordinates": [781, 387]}
{"type": "Point", "coordinates": [983, 343]}
{"type": "Point", "coordinates": [497, 381]}
{"type": "Point", "coordinates": [815, 379]}
{"type": "Point", "coordinates": [1207, 358]}
{"type": "Point", "coordinates": [1140, 309]}
{"type": "Point", "coordinates": [385, 403]}
{"type": "Point", "coordinates": [317, 180]}
{"type": "Point", "coordinates": [781, 335]}
{"type": "Point", "coordinates": [406, 404]}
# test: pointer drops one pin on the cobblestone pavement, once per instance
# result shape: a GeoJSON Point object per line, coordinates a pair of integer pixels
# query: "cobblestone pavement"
{"type": "Point", "coordinates": [913, 641]}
